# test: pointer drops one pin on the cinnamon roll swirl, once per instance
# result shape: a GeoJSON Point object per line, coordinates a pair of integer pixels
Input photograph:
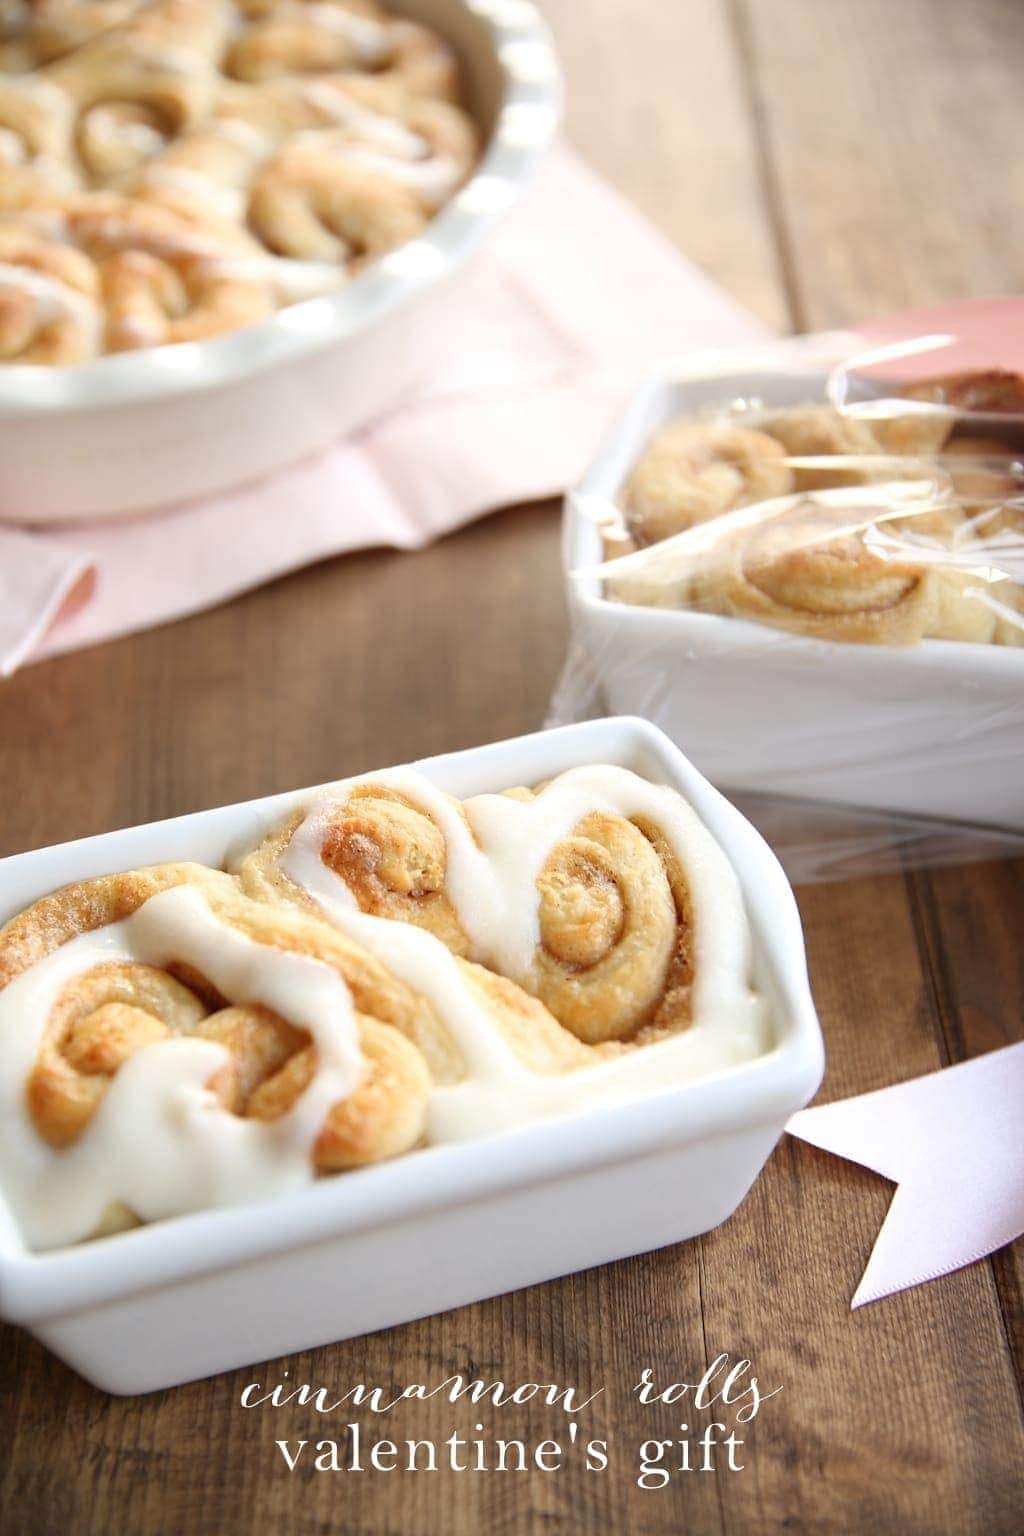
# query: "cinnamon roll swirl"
{"type": "Point", "coordinates": [310, 209]}
{"type": "Point", "coordinates": [49, 298]}
{"type": "Point", "coordinates": [694, 470]}
{"type": "Point", "coordinates": [391, 966]}
{"type": "Point", "coordinates": [288, 1050]}
{"type": "Point", "coordinates": [312, 136]}
{"type": "Point", "coordinates": [837, 568]}
{"type": "Point", "coordinates": [36, 125]}
{"type": "Point", "coordinates": [597, 895]}
{"type": "Point", "coordinates": [813, 431]}
{"type": "Point", "coordinates": [314, 37]}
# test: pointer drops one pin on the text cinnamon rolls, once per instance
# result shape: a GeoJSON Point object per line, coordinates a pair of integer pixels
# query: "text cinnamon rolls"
{"type": "Point", "coordinates": [390, 967]}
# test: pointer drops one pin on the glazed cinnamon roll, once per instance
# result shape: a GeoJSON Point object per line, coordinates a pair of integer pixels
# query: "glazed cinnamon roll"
{"type": "Point", "coordinates": [598, 894]}
{"type": "Point", "coordinates": [287, 1049]}
{"type": "Point", "coordinates": [312, 209]}
{"type": "Point", "coordinates": [137, 86]}
{"type": "Point", "coordinates": [36, 125]}
{"type": "Point", "coordinates": [310, 135]}
{"type": "Point", "coordinates": [50, 301]}
{"type": "Point", "coordinates": [313, 37]}
{"type": "Point", "coordinates": [55, 27]}
{"type": "Point", "coordinates": [167, 1042]}
{"type": "Point", "coordinates": [150, 301]}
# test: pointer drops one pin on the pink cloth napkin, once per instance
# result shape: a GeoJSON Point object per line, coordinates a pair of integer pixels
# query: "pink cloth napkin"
{"type": "Point", "coordinates": [953, 1142]}
{"type": "Point", "coordinates": [535, 347]}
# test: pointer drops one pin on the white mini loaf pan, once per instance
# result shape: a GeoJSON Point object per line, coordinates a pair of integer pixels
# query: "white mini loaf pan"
{"type": "Point", "coordinates": [446, 1225]}
{"type": "Point", "coordinates": [935, 729]}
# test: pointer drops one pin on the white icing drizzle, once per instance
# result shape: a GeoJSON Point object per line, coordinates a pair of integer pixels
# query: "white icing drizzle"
{"type": "Point", "coordinates": [492, 868]}
{"type": "Point", "coordinates": [160, 1142]}
{"type": "Point", "coordinates": [369, 38]}
{"type": "Point", "coordinates": [13, 149]}
{"type": "Point", "coordinates": [222, 201]}
{"type": "Point", "coordinates": [53, 299]}
{"type": "Point", "coordinates": [291, 279]}
{"type": "Point", "coordinates": [110, 131]}
{"type": "Point", "coordinates": [434, 178]}
{"type": "Point", "coordinates": [378, 143]}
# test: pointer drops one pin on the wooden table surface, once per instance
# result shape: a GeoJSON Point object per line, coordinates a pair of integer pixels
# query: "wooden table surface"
{"type": "Point", "coordinates": [824, 159]}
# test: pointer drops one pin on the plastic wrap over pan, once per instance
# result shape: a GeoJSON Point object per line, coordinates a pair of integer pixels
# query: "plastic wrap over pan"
{"type": "Point", "coordinates": [155, 424]}
{"type": "Point", "coordinates": [807, 566]}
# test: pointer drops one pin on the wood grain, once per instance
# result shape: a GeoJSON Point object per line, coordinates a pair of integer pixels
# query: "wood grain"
{"type": "Point", "coordinates": [825, 159]}
{"type": "Point", "coordinates": [889, 136]}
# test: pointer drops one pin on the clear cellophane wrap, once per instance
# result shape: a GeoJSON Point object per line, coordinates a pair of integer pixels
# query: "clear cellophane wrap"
{"type": "Point", "coordinates": [808, 566]}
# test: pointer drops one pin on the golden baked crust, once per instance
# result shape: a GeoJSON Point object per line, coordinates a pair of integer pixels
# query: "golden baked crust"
{"type": "Point", "coordinates": [862, 573]}
{"type": "Point", "coordinates": [104, 1015]}
{"type": "Point", "coordinates": [824, 570]}
{"type": "Point", "coordinates": [615, 921]}
{"type": "Point", "coordinates": [388, 851]}
{"type": "Point", "coordinates": [89, 904]}
{"type": "Point", "coordinates": [694, 470]}
{"type": "Point", "coordinates": [233, 133]}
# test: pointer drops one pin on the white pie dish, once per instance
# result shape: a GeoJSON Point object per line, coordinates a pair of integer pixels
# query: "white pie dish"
{"type": "Point", "coordinates": [133, 431]}
{"type": "Point", "coordinates": [198, 1294]}
{"type": "Point", "coordinates": [931, 730]}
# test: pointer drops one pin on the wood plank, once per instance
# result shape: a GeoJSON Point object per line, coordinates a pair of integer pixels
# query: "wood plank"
{"type": "Point", "coordinates": [891, 135]}
{"type": "Point", "coordinates": [852, 1442]}
{"type": "Point", "coordinates": [971, 923]}
{"type": "Point", "coordinates": [657, 101]}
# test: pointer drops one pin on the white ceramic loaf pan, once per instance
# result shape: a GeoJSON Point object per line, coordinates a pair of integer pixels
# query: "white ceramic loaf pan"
{"type": "Point", "coordinates": [137, 430]}
{"type": "Point", "coordinates": [935, 729]}
{"type": "Point", "coordinates": [446, 1225]}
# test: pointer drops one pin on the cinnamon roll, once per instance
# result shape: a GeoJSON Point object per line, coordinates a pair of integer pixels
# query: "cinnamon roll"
{"type": "Point", "coordinates": [310, 135]}
{"type": "Point", "coordinates": [240, 1047]}
{"type": "Point", "coordinates": [391, 966]}
{"type": "Point", "coordinates": [313, 37]}
{"type": "Point", "coordinates": [908, 528]}
{"type": "Point", "coordinates": [53, 28]}
{"type": "Point", "coordinates": [150, 301]}
{"type": "Point", "coordinates": [694, 470]}
{"type": "Point", "coordinates": [837, 568]}
{"type": "Point", "coordinates": [862, 450]}
{"type": "Point", "coordinates": [427, 146]}
{"type": "Point", "coordinates": [598, 894]}
{"type": "Point", "coordinates": [49, 298]}
{"type": "Point", "coordinates": [312, 209]}
{"type": "Point", "coordinates": [36, 124]}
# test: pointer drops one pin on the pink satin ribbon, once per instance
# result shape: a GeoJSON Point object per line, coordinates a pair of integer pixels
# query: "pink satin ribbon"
{"type": "Point", "coordinates": [953, 1142]}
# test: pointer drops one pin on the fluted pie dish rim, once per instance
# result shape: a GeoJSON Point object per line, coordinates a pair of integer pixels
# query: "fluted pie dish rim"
{"type": "Point", "coordinates": [522, 52]}
{"type": "Point", "coordinates": [755, 1094]}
